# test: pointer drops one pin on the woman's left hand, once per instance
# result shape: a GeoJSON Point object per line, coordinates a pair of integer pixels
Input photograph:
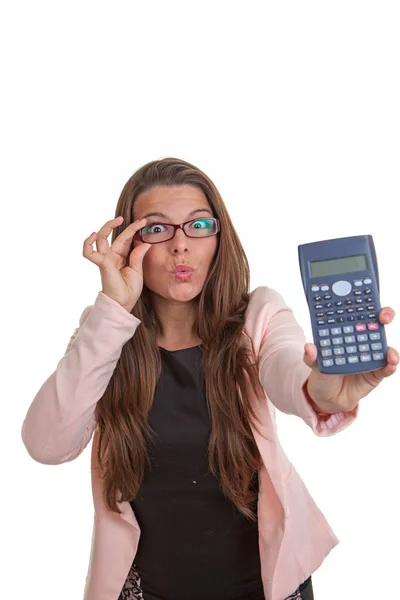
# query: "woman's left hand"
{"type": "Point", "coordinates": [334, 393]}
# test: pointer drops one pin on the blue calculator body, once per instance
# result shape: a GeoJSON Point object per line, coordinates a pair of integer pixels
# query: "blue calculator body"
{"type": "Point", "coordinates": [341, 282]}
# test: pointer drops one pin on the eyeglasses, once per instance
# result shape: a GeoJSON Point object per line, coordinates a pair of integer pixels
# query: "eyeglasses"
{"type": "Point", "coordinates": [161, 232]}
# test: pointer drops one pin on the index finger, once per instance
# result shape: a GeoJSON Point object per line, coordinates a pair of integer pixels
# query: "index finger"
{"type": "Point", "coordinates": [122, 242]}
{"type": "Point", "coordinates": [386, 315]}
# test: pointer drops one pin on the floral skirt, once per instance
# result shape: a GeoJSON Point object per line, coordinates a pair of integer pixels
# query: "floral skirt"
{"type": "Point", "coordinates": [133, 591]}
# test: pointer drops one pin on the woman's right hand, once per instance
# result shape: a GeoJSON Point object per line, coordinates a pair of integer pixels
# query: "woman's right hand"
{"type": "Point", "coordinates": [121, 281]}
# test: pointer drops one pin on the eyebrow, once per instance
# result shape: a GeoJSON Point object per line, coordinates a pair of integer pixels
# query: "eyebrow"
{"type": "Point", "coordinates": [159, 214]}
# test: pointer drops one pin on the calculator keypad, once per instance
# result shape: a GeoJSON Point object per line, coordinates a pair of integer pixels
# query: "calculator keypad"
{"type": "Point", "coordinates": [343, 337]}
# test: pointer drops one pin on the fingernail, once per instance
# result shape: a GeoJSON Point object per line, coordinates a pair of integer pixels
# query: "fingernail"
{"type": "Point", "coordinates": [386, 314]}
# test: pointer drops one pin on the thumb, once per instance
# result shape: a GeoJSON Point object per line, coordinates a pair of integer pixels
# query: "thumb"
{"type": "Point", "coordinates": [310, 356]}
{"type": "Point", "coordinates": [137, 255]}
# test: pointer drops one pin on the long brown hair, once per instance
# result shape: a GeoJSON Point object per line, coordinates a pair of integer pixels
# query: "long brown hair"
{"type": "Point", "coordinates": [122, 411]}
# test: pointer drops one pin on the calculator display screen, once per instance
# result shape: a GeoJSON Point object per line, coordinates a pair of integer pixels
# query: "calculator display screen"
{"type": "Point", "coordinates": [337, 266]}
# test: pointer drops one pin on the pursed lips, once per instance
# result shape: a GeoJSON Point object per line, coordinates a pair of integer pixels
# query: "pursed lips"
{"type": "Point", "coordinates": [183, 269]}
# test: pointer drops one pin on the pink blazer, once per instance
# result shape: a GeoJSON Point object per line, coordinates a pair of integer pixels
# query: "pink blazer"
{"type": "Point", "coordinates": [294, 536]}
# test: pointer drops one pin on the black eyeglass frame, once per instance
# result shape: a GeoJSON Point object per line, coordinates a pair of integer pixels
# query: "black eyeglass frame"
{"type": "Point", "coordinates": [138, 235]}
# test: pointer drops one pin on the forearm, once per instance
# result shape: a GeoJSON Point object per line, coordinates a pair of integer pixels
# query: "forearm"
{"type": "Point", "coordinates": [60, 419]}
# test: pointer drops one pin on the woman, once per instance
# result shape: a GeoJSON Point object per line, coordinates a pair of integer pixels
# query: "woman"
{"type": "Point", "coordinates": [177, 369]}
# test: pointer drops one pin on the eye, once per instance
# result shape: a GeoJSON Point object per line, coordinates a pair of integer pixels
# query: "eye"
{"type": "Point", "coordinates": [207, 223]}
{"type": "Point", "coordinates": [148, 228]}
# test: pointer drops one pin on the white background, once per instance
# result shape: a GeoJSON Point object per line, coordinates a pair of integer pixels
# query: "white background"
{"type": "Point", "coordinates": [292, 108]}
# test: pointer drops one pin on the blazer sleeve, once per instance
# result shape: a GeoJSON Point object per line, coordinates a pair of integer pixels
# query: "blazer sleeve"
{"type": "Point", "coordinates": [282, 371]}
{"type": "Point", "coordinates": [60, 420]}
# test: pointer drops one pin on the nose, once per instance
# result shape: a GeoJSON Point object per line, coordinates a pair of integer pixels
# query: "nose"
{"type": "Point", "coordinates": [180, 238]}
{"type": "Point", "coordinates": [180, 234]}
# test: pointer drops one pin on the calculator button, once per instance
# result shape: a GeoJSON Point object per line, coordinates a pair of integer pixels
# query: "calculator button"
{"type": "Point", "coordinates": [368, 291]}
{"type": "Point", "coordinates": [318, 306]}
{"type": "Point", "coordinates": [326, 352]}
{"type": "Point", "coordinates": [362, 337]}
{"type": "Point", "coordinates": [336, 330]}
{"type": "Point", "coordinates": [358, 283]}
{"type": "Point", "coordinates": [320, 314]}
{"type": "Point", "coordinates": [337, 340]}
{"type": "Point", "coordinates": [323, 332]}
{"type": "Point", "coordinates": [361, 317]}
{"type": "Point", "coordinates": [349, 310]}
{"type": "Point", "coordinates": [360, 309]}
{"type": "Point", "coordinates": [340, 311]}
{"type": "Point", "coordinates": [370, 307]}
{"type": "Point", "coordinates": [328, 304]}
{"type": "Point", "coordinates": [352, 359]}
{"type": "Point", "coordinates": [325, 342]}
{"type": "Point", "coordinates": [317, 298]}
{"type": "Point", "coordinates": [373, 326]}
{"type": "Point", "coordinates": [330, 312]}
{"type": "Point", "coordinates": [357, 293]}
{"type": "Point", "coordinates": [331, 321]}
{"type": "Point", "coordinates": [348, 329]}
{"type": "Point", "coordinates": [315, 288]}
{"type": "Point", "coordinates": [324, 288]}
{"type": "Point", "coordinates": [340, 320]}
{"type": "Point", "coordinates": [359, 300]}
{"type": "Point", "coordinates": [361, 327]}
{"type": "Point", "coordinates": [321, 322]}
{"type": "Point", "coordinates": [376, 346]}
{"type": "Point", "coordinates": [351, 349]}
{"type": "Point", "coordinates": [338, 351]}
{"type": "Point", "coordinates": [351, 318]}
{"type": "Point", "coordinates": [374, 336]}
{"type": "Point", "coordinates": [341, 288]}
{"type": "Point", "coordinates": [365, 357]}
{"type": "Point", "coordinates": [340, 303]}
{"type": "Point", "coordinates": [377, 356]}
{"type": "Point", "coordinates": [349, 302]}
{"type": "Point", "coordinates": [328, 362]}
{"type": "Point", "coordinates": [340, 361]}
{"type": "Point", "coordinates": [369, 299]}
{"type": "Point", "coordinates": [372, 315]}
{"type": "Point", "coordinates": [350, 339]}
{"type": "Point", "coordinates": [327, 297]}
{"type": "Point", "coordinates": [363, 347]}
{"type": "Point", "coordinates": [367, 280]}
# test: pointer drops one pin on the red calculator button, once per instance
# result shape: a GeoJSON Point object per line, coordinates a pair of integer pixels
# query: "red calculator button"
{"type": "Point", "coordinates": [360, 327]}
{"type": "Point", "coordinates": [373, 326]}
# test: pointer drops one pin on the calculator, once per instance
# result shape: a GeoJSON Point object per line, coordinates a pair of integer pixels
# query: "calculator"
{"type": "Point", "coordinates": [341, 283]}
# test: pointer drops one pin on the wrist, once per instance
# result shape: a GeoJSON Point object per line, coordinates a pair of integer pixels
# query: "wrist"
{"type": "Point", "coordinates": [318, 409]}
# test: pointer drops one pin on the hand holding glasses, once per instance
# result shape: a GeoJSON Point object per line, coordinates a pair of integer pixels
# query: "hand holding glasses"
{"type": "Point", "coordinates": [122, 280]}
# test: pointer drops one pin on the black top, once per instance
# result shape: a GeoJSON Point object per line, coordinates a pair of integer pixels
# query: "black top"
{"type": "Point", "coordinates": [194, 543]}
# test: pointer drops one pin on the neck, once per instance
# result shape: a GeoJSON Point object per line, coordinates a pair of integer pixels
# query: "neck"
{"type": "Point", "coordinates": [177, 321]}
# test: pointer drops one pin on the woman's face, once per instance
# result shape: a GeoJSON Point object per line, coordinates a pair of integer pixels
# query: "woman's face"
{"type": "Point", "coordinates": [176, 205]}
